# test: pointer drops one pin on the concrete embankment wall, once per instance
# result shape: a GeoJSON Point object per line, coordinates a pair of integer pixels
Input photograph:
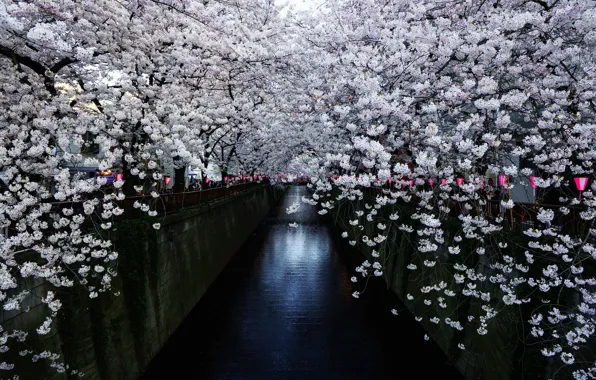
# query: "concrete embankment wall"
{"type": "Point", "coordinates": [161, 276]}
{"type": "Point", "coordinates": [499, 355]}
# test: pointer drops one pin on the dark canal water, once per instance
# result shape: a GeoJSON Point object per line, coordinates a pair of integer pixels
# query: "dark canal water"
{"type": "Point", "coordinates": [282, 309]}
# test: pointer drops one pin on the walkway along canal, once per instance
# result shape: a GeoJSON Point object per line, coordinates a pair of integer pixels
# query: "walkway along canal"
{"type": "Point", "coordinates": [283, 309]}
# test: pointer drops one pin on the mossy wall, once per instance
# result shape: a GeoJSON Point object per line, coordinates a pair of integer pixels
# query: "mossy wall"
{"type": "Point", "coordinates": [161, 276]}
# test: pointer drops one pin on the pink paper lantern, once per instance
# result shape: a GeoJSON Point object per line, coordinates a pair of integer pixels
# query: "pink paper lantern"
{"type": "Point", "coordinates": [443, 181]}
{"type": "Point", "coordinates": [411, 182]}
{"type": "Point", "coordinates": [459, 181]}
{"type": "Point", "coordinates": [581, 183]}
{"type": "Point", "coordinates": [503, 179]}
{"type": "Point", "coordinates": [167, 180]}
{"type": "Point", "coordinates": [119, 177]}
{"type": "Point", "coordinates": [225, 179]}
{"type": "Point", "coordinates": [431, 181]}
{"type": "Point", "coordinates": [532, 183]}
{"type": "Point", "coordinates": [206, 180]}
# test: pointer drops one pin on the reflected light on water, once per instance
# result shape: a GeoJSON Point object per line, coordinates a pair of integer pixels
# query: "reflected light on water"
{"type": "Point", "coordinates": [282, 309]}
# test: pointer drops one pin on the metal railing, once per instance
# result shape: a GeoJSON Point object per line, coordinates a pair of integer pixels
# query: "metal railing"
{"type": "Point", "coordinates": [521, 217]}
{"type": "Point", "coordinates": [167, 203]}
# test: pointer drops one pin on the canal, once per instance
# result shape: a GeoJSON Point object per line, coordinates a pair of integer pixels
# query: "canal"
{"type": "Point", "coordinates": [283, 309]}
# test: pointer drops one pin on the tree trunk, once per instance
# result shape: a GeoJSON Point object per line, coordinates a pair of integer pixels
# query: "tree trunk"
{"type": "Point", "coordinates": [179, 180]}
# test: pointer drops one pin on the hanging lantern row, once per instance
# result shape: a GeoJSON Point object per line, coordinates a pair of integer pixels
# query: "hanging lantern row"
{"type": "Point", "coordinates": [580, 182]}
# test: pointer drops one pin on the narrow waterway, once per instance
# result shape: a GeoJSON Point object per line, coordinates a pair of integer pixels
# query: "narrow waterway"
{"type": "Point", "coordinates": [282, 309]}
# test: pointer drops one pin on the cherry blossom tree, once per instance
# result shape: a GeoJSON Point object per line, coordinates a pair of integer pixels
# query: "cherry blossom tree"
{"type": "Point", "coordinates": [400, 112]}
{"type": "Point", "coordinates": [136, 87]}
{"type": "Point", "coordinates": [425, 101]}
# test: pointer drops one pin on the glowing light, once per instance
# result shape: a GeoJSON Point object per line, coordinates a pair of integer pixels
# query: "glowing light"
{"type": "Point", "coordinates": [581, 183]}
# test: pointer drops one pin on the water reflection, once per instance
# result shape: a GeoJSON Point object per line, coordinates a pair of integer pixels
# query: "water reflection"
{"type": "Point", "coordinates": [282, 309]}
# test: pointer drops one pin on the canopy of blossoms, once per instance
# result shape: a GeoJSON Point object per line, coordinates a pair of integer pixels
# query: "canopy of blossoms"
{"type": "Point", "coordinates": [420, 116]}
{"type": "Point", "coordinates": [445, 108]}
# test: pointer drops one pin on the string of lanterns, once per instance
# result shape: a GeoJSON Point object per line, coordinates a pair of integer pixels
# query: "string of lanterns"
{"type": "Point", "coordinates": [581, 183]}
